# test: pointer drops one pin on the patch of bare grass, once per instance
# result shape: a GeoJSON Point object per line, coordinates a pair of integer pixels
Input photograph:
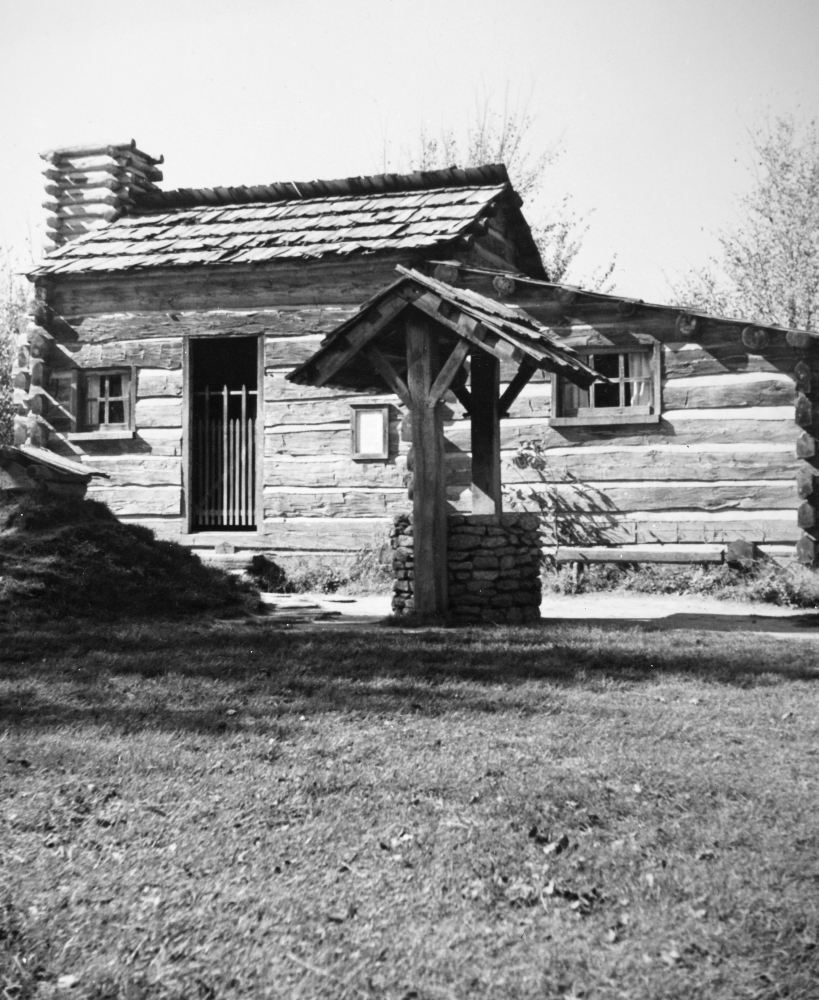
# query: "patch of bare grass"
{"type": "Point", "coordinates": [232, 810]}
{"type": "Point", "coordinates": [764, 582]}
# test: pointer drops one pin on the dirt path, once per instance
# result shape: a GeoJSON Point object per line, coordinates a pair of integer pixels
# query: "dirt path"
{"type": "Point", "coordinates": [650, 611]}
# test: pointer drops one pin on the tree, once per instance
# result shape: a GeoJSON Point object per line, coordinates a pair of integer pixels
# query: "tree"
{"type": "Point", "coordinates": [493, 134]}
{"type": "Point", "coordinates": [769, 266]}
{"type": "Point", "coordinates": [12, 309]}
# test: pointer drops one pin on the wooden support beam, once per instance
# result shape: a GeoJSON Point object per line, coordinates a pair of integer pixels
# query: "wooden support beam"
{"type": "Point", "coordinates": [513, 390]}
{"type": "Point", "coordinates": [361, 334]}
{"type": "Point", "coordinates": [462, 394]}
{"type": "Point", "coordinates": [429, 523]}
{"type": "Point", "coordinates": [388, 373]}
{"type": "Point", "coordinates": [485, 423]}
{"type": "Point", "coordinates": [448, 372]}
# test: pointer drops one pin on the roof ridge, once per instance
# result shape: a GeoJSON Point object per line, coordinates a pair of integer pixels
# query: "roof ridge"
{"type": "Point", "coordinates": [374, 184]}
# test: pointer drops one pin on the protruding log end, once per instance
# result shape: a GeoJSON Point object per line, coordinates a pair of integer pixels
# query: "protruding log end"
{"type": "Point", "coordinates": [687, 325]}
{"type": "Point", "coordinates": [806, 516]}
{"type": "Point", "coordinates": [807, 551]}
{"type": "Point", "coordinates": [755, 338]}
{"type": "Point", "coordinates": [503, 284]}
{"type": "Point", "coordinates": [447, 273]}
{"type": "Point", "coordinates": [740, 553]}
{"type": "Point", "coordinates": [802, 376]}
{"type": "Point", "coordinates": [804, 411]}
{"type": "Point", "coordinates": [800, 339]}
{"type": "Point", "coordinates": [806, 445]}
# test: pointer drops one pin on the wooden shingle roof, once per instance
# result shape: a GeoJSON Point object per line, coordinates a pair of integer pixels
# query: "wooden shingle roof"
{"type": "Point", "coordinates": [246, 225]}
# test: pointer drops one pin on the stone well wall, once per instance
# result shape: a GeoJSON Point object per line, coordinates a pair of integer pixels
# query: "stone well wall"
{"type": "Point", "coordinates": [494, 567]}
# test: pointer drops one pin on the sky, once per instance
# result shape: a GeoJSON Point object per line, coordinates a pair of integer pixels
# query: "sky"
{"type": "Point", "coordinates": [649, 105]}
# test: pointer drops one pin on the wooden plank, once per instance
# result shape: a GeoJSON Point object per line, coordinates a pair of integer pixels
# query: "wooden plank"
{"type": "Point", "coordinates": [158, 411]}
{"type": "Point", "coordinates": [387, 372]}
{"type": "Point", "coordinates": [278, 389]}
{"type": "Point", "coordinates": [335, 503]}
{"type": "Point", "coordinates": [146, 501]}
{"type": "Point", "coordinates": [329, 440]}
{"type": "Point", "coordinates": [159, 382]}
{"type": "Point", "coordinates": [429, 480]}
{"type": "Point", "coordinates": [166, 528]}
{"type": "Point", "coordinates": [239, 286]}
{"type": "Point", "coordinates": [316, 411]}
{"type": "Point", "coordinates": [485, 434]}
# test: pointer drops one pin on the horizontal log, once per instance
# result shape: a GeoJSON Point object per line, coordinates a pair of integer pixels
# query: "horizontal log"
{"type": "Point", "coordinates": [335, 440]}
{"type": "Point", "coordinates": [278, 389]}
{"type": "Point", "coordinates": [662, 462]}
{"type": "Point", "coordinates": [750, 392]}
{"type": "Point", "coordinates": [682, 360]}
{"type": "Point", "coordinates": [336, 503]}
{"type": "Point", "coordinates": [144, 470]}
{"type": "Point", "coordinates": [81, 196]}
{"type": "Point", "coordinates": [159, 382]}
{"type": "Point", "coordinates": [258, 286]}
{"type": "Point", "coordinates": [145, 501]}
{"type": "Point", "coordinates": [636, 554]}
{"type": "Point", "coordinates": [285, 322]}
{"type": "Point", "coordinates": [606, 498]}
{"type": "Point", "coordinates": [143, 353]}
{"type": "Point", "coordinates": [347, 534]}
{"type": "Point", "coordinates": [289, 352]}
{"type": "Point", "coordinates": [623, 530]}
{"type": "Point", "coordinates": [773, 427]}
{"type": "Point", "coordinates": [330, 441]}
{"type": "Point", "coordinates": [158, 411]}
{"type": "Point", "coordinates": [334, 471]}
{"type": "Point", "coordinates": [318, 411]}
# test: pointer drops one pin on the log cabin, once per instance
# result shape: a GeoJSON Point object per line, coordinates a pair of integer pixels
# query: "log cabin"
{"type": "Point", "coordinates": [164, 325]}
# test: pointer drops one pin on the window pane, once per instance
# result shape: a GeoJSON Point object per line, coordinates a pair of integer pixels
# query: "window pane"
{"type": "Point", "coordinates": [114, 385]}
{"type": "Point", "coordinates": [116, 412]}
{"type": "Point", "coordinates": [607, 364]}
{"type": "Point", "coordinates": [369, 432]}
{"type": "Point", "coordinates": [607, 394]}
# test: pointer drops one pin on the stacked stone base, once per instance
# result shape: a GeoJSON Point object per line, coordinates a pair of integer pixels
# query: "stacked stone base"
{"type": "Point", "coordinates": [493, 563]}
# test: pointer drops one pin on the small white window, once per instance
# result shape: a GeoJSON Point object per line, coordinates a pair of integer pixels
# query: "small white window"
{"type": "Point", "coordinates": [369, 431]}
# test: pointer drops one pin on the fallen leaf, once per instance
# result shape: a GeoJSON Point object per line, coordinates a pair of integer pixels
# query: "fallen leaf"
{"type": "Point", "coordinates": [670, 957]}
{"type": "Point", "coordinates": [67, 982]}
{"type": "Point", "coordinates": [557, 846]}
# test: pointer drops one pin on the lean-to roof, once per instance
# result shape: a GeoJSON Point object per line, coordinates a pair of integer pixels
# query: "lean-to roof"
{"type": "Point", "coordinates": [318, 219]}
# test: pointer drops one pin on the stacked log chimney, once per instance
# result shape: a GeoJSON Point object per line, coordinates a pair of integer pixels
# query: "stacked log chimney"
{"type": "Point", "coordinates": [89, 186]}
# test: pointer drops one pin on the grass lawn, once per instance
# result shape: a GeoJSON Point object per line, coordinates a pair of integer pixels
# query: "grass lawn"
{"type": "Point", "coordinates": [241, 809]}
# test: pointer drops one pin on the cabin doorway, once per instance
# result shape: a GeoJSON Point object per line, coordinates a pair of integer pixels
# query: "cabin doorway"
{"type": "Point", "coordinates": [223, 380]}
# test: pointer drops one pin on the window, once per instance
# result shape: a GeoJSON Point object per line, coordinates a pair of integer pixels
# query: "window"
{"type": "Point", "coordinates": [369, 431]}
{"type": "Point", "coordinates": [92, 403]}
{"type": "Point", "coordinates": [631, 393]}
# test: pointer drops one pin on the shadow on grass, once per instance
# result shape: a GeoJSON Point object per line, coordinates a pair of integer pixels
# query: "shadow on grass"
{"type": "Point", "coordinates": [223, 677]}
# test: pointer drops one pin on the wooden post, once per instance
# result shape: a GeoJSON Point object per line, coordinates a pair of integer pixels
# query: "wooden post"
{"type": "Point", "coordinates": [486, 472]}
{"type": "Point", "coordinates": [429, 483]}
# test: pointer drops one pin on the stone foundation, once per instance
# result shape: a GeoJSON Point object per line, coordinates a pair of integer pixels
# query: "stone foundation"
{"type": "Point", "coordinates": [494, 567]}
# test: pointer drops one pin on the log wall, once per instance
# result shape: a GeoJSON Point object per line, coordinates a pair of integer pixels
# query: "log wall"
{"type": "Point", "coordinates": [733, 457]}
